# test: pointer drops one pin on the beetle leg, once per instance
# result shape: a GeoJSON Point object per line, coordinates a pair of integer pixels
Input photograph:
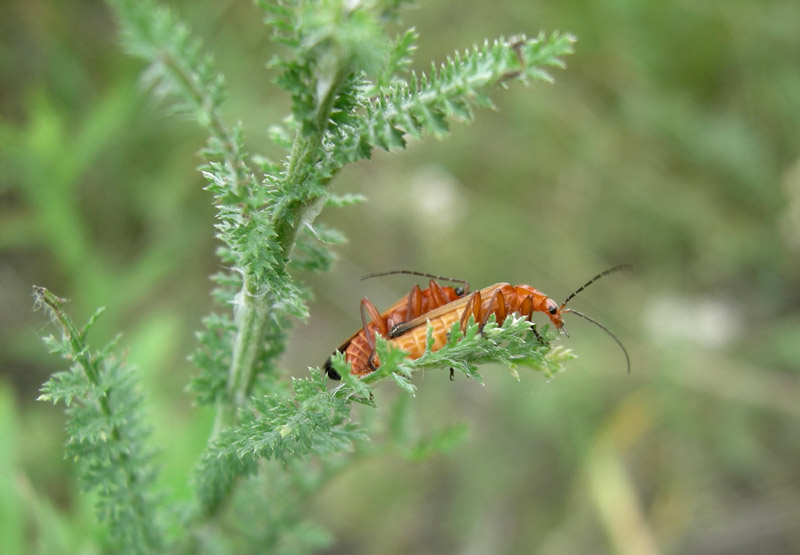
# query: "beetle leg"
{"type": "Point", "coordinates": [438, 295]}
{"type": "Point", "coordinates": [377, 321]}
{"type": "Point", "coordinates": [452, 373]}
{"type": "Point", "coordinates": [526, 309]}
{"type": "Point", "coordinates": [537, 334]}
{"type": "Point", "coordinates": [472, 308]}
{"type": "Point", "coordinates": [414, 307]}
{"type": "Point", "coordinates": [497, 306]}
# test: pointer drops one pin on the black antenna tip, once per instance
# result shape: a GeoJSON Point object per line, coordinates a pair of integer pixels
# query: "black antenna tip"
{"type": "Point", "coordinates": [605, 329]}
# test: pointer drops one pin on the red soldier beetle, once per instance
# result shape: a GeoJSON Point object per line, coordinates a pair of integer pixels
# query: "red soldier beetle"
{"type": "Point", "coordinates": [501, 299]}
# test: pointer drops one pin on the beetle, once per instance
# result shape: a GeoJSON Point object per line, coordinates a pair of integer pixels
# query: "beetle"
{"type": "Point", "coordinates": [359, 348]}
{"type": "Point", "coordinates": [500, 299]}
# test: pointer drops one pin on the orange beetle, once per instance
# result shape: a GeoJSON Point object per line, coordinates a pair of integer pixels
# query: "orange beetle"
{"type": "Point", "coordinates": [410, 333]}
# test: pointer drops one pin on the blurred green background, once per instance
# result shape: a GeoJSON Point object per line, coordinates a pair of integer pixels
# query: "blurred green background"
{"type": "Point", "coordinates": [672, 141]}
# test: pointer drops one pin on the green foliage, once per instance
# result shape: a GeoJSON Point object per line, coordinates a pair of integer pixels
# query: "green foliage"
{"type": "Point", "coordinates": [677, 120]}
{"type": "Point", "coordinates": [422, 105]}
{"type": "Point", "coordinates": [349, 94]}
{"type": "Point", "coordinates": [311, 421]}
{"type": "Point", "coordinates": [512, 344]}
{"type": "Point", "coordinates": [106, 432]}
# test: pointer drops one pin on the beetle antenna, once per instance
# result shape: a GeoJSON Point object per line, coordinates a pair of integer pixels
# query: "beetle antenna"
{"type": "Point", "coordinates": [413, 273]}
{"type": "Point", "coordinates": [595, 278]}
{"type": "Point", "coordinates": [605, 329]}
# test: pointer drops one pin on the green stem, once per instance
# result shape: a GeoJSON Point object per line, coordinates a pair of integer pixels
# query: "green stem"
{"type": "Point", "coordinates": [254, 304]}
{"type": "Point", "coordinates": [302, 158]}
{"type": "Point", "coordinates": [252, 311]}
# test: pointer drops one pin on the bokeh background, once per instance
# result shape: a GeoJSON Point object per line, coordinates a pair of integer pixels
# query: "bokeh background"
{"type": "Point", "coordinates": [672, 141]}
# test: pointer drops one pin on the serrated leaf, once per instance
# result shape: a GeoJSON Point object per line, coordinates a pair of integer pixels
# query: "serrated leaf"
{"type": "Point", "coordinates": [348, 199]}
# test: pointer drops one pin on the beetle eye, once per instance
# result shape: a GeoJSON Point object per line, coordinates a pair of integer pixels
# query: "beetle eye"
{"type": "Point", "coordinates": [459, 291]}
{"type": "Point", "coordinates": [552, 308]}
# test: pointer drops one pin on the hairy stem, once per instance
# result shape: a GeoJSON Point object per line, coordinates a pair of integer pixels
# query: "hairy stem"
{"type": "Point", "coordinates": [253, 304]}
{"type": "Point", "coordinates": [252, 311]}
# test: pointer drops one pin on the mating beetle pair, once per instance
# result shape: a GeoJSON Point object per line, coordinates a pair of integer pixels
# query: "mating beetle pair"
{"type": "Point", "coordinates": [404, 323]}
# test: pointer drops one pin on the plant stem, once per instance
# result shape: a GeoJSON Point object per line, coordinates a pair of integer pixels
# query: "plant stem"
{"type": "Point", "coordinates": [252, 310]}
{"type": "Point", "coordinates": [253, 303]}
